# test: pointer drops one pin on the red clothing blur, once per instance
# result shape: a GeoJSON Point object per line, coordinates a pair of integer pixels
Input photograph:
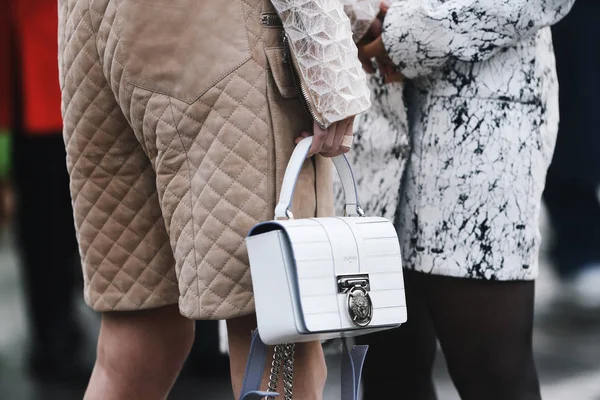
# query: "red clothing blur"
{"type": "Point", "coordinates": [5, 71]}
{"type": "Point", "coordinates": [32, 26]}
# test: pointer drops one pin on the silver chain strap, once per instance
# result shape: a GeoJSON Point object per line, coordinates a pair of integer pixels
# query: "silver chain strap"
{"type": "Point", "coordinates": [288, 370]}
{"type": "Point", "coordinates": [275, 369]}
{"type": "Point", "coordinates": [283, 354]}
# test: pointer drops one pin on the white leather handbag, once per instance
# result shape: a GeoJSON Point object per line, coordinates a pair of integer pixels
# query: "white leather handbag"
{"type": "Point", "coordinates": [323, 278]}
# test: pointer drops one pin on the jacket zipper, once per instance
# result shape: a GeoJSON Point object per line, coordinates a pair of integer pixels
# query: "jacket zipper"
{"type": "Point", "coordinates": [290, 59]}
{"type": "Point", "coordinates": [271, 20]}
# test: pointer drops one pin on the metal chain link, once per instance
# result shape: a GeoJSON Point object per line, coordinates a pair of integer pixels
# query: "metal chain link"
{"type": "Point", "coordinates": [275, 369]}
{"type": "Point", "coordinates": [288, 370]}
{"type": "Point", "coordinates": [283, 354]}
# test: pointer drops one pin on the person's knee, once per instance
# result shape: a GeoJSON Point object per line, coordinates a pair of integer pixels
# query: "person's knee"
{"type": "Point", "coordinates": [140, 354]}
{"type": "Point", "coordinates": [151, 342]}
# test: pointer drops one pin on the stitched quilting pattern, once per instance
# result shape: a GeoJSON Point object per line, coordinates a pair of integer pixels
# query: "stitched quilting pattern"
{"type": "Point", "coordinates": [153, 176]}
{"type": "Point", "coordinates": [123, 241]}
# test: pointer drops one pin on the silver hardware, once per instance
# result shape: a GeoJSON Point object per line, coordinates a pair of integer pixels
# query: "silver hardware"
{"type": "Point", "coordinates": [283, 353]}
{"type": "Point", "coordinates": [275, 369]}
{"type": "Point", "coordinates": [359, 304]}
{"type": "Point", "coordinates": [347, 282]}
{"type": "Point", "coordinates": [288, 215]}
{"type": "Point", "coordinates": [271, 20]}
{"type": "Point", "coordinates": [288, 370]}
{"type": "Point", "coordinates": [360, 211]}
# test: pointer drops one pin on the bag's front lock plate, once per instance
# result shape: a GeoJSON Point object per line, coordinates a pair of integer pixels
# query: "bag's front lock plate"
{"type": "Point", "coordinates": [360, 306]}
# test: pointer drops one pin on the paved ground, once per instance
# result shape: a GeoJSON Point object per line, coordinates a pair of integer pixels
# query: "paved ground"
{"type": "Point", "coordinates": [567, 352]}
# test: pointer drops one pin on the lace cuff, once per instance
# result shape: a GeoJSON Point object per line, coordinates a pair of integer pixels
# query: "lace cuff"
{"type": "Point", "coordinates": [324, 59]}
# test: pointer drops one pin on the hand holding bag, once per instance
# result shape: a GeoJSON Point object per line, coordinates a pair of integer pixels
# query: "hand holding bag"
{"type": "Point", "coordinates": [323, 278]}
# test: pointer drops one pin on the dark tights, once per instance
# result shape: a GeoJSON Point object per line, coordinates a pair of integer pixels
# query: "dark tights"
{"type": "Point", "coordinates": [484, 329]}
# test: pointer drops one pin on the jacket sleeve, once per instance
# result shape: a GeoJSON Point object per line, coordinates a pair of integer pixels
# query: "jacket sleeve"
{"type": "Point", "coordinates": [421, 35]}
{"type": "Point", "coordinates": [362, 13]}
{"type": "Point", "coordinates": [325, 59]}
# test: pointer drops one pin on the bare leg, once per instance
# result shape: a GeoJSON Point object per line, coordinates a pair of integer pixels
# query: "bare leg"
{"type": "Point", "coordinates": [310, 371]}
{"type": "Point", "coordinates": [140, 354]}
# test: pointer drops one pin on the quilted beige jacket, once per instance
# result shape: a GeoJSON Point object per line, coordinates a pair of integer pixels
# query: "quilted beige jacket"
{"type": "Point", "coordinates": [179, 119]}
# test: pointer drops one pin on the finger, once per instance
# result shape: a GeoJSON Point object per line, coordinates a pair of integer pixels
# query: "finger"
{"type": "Point", "coordinates": [302, 136]}
{"type": "Point", "coordinates": [342, 150]}
{"type": "Point", "coordinates": [395, 77]}
{"type": "Point", "coordinates": [330, 138]}
{"type": "Point", "coordinates": [349, 131]}
{"type": "Point", "coordinates": [349, 127]}
{"type": "Point", "coordinates": [319, 136]}
{"type": "Point", "coordinates": [386, 66]}
{"type": "Point", "coordinates": [374, 49]}
{"type": "Point", "coordinates": [331, 132]}
{"type": "Point", "coordinates": [381, 66]}
{"type": "Point", "coordinates": [389, 69]}
{"type": "Point", "coordinates": [373, 32]}
{"type": "Point", "coordinates": [347, 141]}
{"type": "Point", "coordinates": [375, 29]}
{"type": "Point", "coordinates": [383, 9]}
{"type": "Point", "coordinates": [367, 65]}
{"type": "Point", "coordinates": [339, 136]}
{"type": "Point", "coordinates": [366, 62]}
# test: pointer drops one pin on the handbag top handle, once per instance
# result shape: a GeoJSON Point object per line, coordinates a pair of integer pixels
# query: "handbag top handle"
{"type": "Point", "coordinates": [283, 209]}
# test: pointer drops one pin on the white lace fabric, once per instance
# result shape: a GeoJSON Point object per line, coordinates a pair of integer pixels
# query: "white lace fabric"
{"type": "Point", "coordinates": [321, 40]}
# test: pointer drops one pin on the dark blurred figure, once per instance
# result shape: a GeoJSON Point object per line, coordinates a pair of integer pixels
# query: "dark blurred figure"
{"type": "Point", "coordinates": [44, 224]}
{"type": "Point", "coordinates": [205, 358]}
{"type": "Point", "coordinates": [5, 112]}
{"type": "Point", "coordinates": [573, 181]}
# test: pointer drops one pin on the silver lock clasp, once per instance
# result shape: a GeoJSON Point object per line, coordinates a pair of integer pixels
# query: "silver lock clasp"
{"type": "Point", "coordinates": [359, 304]}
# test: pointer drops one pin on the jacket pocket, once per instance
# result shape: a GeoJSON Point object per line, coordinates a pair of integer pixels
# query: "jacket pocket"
{"type": "Point", "coordinates": [282, 73]}
{"type": "Point", "coordinates": [181, 48]}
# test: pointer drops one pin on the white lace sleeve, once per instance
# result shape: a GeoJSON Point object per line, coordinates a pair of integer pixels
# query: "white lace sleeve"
{"type": "Point", "coordinates": [362, 13]}
{"type": "Point", "coordinates": [421, 35]}
{"type": "Point", "coordinates": [325, 58]}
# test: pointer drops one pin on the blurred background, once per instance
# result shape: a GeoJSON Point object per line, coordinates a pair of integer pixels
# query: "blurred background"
{"type": "Point", "coordinates": [47, 335]}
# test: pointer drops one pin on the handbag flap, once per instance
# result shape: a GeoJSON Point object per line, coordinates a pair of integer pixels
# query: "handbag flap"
{"type": "Point", "coordinates": [327, 249]}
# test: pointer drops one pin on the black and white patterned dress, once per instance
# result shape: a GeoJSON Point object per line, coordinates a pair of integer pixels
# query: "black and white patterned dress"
{"type": "Point", "coordinates": [482, 102]}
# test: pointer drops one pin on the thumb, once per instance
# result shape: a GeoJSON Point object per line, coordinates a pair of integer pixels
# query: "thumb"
{"type": "Point", "coordinates": [383, 9]}
{"type": "Point", "coordinates": [374, 49]}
